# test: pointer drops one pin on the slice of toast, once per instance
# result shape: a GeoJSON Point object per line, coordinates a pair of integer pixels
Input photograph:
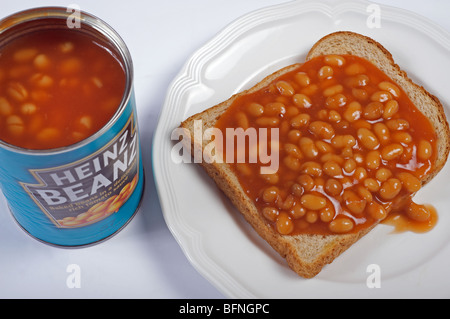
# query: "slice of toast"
{"type": "Point", "coordinates": [307, 254]}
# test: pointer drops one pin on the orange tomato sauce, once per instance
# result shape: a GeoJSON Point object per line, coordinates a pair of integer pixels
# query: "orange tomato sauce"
{"type": "Point", "coordinates": [327, 184]}
{"type": "Point", "coordinates": [57, 87]}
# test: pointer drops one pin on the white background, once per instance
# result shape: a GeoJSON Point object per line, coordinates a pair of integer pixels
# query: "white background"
{"type": "Point", "coordinates": [143, 260]}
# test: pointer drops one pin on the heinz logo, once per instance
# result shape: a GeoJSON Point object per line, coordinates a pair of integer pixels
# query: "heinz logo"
{"type": "Point", "coordinates": [67, 192]}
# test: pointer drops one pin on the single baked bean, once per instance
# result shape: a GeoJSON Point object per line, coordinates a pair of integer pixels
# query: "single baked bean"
{"type": "Point", "coordinates": [300, 120]}
{"type": "Point", "coordinates": [326, 214]}
{"type": "Point", "coordinates": [354, 69]}
{"type": "Point", "coordinates": [306, 181]}
{"type": "Point", "coordinates": [334, 116]}
{"type": "Point", "coordinates": [297, 189]}
{"type": "Point", "coordinates": [353, 202]}
{"type": "Point", "coordinates": [85, 122]}
{"type": "Point", "coordinates": [390, 109]}
{"type": "Point", "coordinates": [360, 94]}
{"type": "Point", "coordinates": [255, 109]}
{"type": "Point", "coordinates": [418, 212]}
{"type": "Point", "coordinates": [333, 187]}
{"type": "Point", "coordinates": [390, 188]}
{"type": "Point", "coordinates": [341, 225]}
{"type": "Point", "coordinates": [25, 55]}
{"type": "Point", "coordinates": [291, 162]}
{"type": "Point", "coordinates": [48, 135]}
{"type": "Point", "coordinates": [266, 121]}
{"type": "Point", "coordinates": [28, 108]}
{"type": "Point", "coordinates": [360, 173]}
{"type": "Point", "coordinates": [353, 111]}
{"type": "Point", "coordinates": [42, 62]}
{"type": "Point", "coordinates": [424, 150]}
{"type": "Point", "coordinates": [17, 91]}
{"type": "Point", "coordinates": [332, 169]}
{"type": "Point", "coordinates": [313, 202]}
{"type": "Point", "coordinates": [242, 120]}
{"type": "Point", "coordinates": [367, 138]}
{"type": "Point", "coordinates": [383, 174]}
{"type": "Point", "coordinates": [364, 193]}
{"type": "Point", "coordinates": [269, 178]}
{"type": "Point", "coordinates": [70, 66]}
{"type": "Point", "coordinates": [293, 150]}
{"type": "Point", "coordinates": [285, 88]}
{"type": "Point", "coordinates": [373, 110]}
{"type": "Point", "coordinates": [284, 224]}
{"type": "Point", "coordinates": [5, 107]}
{"type": "Point", "coordinates": [333, 90]}
{"type": "Point", "coordinates": [322, 129]}
{"type": "Point", "coordinates": [271, 213]}
{"type": "Point", "coordinates": [311, 168]}
{"type": "Point", "coordinates": [66, 47]}
{"type": "Point", "coordinates": [411, 183]}
{"type": "Point", "coordinates": [270, 194]}
{"type": "Point", "coordinates": [297, 211]}
{"type": "Point", "coordinates": [311, 217]}
{"type": "Point", "coordinates": [41, 80]}
{"type": "Point", "coordinates": [334, 60]}
{"type": "Point", "coordinates": [294, 135]}
{"type": "Point", "coordinates": [302, 100]}
{"type": "Point", "coordinates": [371, 184]}
{"type": "Point", "coordinates": [381, 96]}
{"type": "Point", "coordinates": [373, 159]}
{"type": "Point", "coordinates": [389, 87]}
{"type": "Point", "coordinates": [397, 124]}
{"type": "Point", "coordinates": [347, 152]}
{"type": "Point", "coordinates": [359, 80]}
{"type": "Point", "coordinates": [402, 137]}
{"type": "Point", "coordinates": [349, 165]}
{"type": "Point", "coordinates": [391, 151]}
{"type": "Point", "coordinates": [302, 78]}
{"type": "Point", "coordinates": [376, 211]}
{"type": "Point", "coordinates": [292, 111]}
{"type": "Point", "coordinates": [325, 72]}
{"type": "Point", "coordinates": [336, 101]}
{"type": "Point", "coordinates": [323, 147]}
{"type": "Point", "coordinates": [308, 147]}
{"type": "Point", "coordinates": [382, 132]}
{"type": "Point", "coordinates": [15, 125]}
{"type": "Point", "coordinates": [359, 158]}
{"type": "Point", "coordinates": [274, 109]}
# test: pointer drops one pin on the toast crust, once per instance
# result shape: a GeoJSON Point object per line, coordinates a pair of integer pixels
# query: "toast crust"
{"type": "Point", "coordinates": [307, 254]}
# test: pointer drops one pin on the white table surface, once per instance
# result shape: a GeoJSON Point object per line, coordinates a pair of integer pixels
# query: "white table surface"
{"type": "Point", "coordinates": [143, 260]}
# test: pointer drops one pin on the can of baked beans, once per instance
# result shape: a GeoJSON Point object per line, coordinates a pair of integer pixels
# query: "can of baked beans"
{"type": "Point", "coordinates": [70, 159]}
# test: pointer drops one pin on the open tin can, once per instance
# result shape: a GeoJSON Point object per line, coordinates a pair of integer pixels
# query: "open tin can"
{"type": "Point", "coordinates": [84, 192]}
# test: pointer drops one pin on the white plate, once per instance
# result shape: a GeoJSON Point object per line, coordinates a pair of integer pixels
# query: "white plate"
{"type": "Point", "coordinates": [212, 234]}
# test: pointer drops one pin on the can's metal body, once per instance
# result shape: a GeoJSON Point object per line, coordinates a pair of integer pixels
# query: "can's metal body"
{"type": "Point", "coordinates": [48, 191]}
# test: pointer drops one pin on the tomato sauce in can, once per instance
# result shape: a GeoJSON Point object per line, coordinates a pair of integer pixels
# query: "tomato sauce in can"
{"type": "Point", "coordinates": [70, 159]}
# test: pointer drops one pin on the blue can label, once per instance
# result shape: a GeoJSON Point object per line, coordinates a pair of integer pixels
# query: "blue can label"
{"type": "Point", "coordinates": [88, 190]}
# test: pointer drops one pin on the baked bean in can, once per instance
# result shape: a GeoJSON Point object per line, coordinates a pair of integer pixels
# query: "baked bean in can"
{"type": "Point", "coordinates": [70, 159]}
